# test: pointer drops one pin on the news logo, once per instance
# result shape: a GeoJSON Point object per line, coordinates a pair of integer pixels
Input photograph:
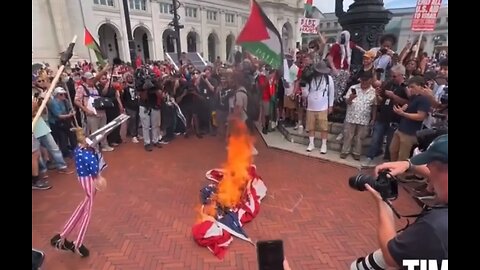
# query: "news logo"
{"type": "Point", "coordinates": [425, 264]}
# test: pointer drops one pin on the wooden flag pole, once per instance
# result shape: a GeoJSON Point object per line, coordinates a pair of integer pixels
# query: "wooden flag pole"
{"type": "Point", "coordinates": [52, 85]}
{"type": "Point", "coordinates": [419, 42]}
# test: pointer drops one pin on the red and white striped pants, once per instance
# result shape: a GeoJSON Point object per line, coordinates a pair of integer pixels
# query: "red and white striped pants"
{"type": "Point", "coordinates": [83, 212]}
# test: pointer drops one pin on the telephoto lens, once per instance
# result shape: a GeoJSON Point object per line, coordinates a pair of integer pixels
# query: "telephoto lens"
{"type": "Point", "coordinates": [358, 181]}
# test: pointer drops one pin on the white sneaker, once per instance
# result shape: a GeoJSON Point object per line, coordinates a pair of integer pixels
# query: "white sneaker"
{"type": "Point", "coordinates": [135, 140]}
{"type": "Point", "coordinates": [339, 137]}
{"type": "Point", "coordinates": [296, 126]}
{"type": "Point", "coordinates": [310, 147]}
{"type": "Point", "coordinates": [323, 149]}
{"type": "Point", "coordinates": [300, 129]}
{"type": "Point", "coordinates": [368, 163]}
{"type": "Point", "coordinates": [107, 149]}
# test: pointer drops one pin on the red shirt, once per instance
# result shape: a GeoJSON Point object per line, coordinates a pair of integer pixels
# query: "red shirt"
{"type": "Point", "coordinates": [336, 54]}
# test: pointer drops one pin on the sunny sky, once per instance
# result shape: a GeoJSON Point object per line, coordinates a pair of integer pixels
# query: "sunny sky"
{"type": "Point", "coordinates": [326, 6]}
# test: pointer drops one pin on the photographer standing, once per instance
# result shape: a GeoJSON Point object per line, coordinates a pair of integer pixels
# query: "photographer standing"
{"type": "Point", "coordinates": [149, 112]}
{"type": "Point", "coordinates": [427, 237]}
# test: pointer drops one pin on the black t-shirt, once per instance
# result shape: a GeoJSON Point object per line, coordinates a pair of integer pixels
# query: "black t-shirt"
{"type": "Point", "coordinates": [415, 104]}
{"type": "Point", "coordinates": [204, 90]}
{"type": "Point", "coordinates": [385, 110]}
{"type": "Point", "coordinates": [188, 99]}
{"type": "Point", "coordinates": [425, 239]}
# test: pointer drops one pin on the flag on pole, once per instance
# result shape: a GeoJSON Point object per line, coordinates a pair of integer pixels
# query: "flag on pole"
{"type": "Point", "coordinates": [261, 38]}
{"type": "Point", "coordinates": [308, 6]}
{"type": "Point", "coordinates": [93, 45]}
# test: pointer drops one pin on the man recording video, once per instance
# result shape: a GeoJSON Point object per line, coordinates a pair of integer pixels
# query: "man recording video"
{"type": "Point", "coordinates": [149, 112]}
{"type": "Point", "coordinates": [427, 237]}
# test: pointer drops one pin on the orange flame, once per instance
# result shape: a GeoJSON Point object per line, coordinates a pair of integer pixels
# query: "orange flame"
{"type": "Point", "coordinates": [236, 175]}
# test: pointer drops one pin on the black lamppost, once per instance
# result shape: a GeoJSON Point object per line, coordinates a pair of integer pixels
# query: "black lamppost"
{"type": "Point", "coordinates": [176, 26]}
{"type": "Point", "coordinates": [131, 42]}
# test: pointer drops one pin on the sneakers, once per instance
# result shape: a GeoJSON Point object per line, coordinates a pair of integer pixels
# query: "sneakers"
{"type": "Point", "coordinates": [310, 147]}
{"type": "Point", "coordinates": [157, 144]}
{"type": "Point", "coordinates": [323, 149]}
{"type": "Point", "coordinates": [135, 140]}
{"type": "Point", "coordinates": [148, 147]}
{"type": "Point", "coordinates": [107, 149]}
{"type": "Point", "coordinates": [41, 185]}
{"type": "Point", "coordinates": [368, 163]}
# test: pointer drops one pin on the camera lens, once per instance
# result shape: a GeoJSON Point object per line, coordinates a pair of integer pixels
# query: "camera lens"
{"type": "Point", "coordinates": [358, 182]}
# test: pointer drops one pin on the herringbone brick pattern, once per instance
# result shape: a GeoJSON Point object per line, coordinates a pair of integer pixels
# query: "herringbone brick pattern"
{"type": "Point", "coordinates": [143, 220]}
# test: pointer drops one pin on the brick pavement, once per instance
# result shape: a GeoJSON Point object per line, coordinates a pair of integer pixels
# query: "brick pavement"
{"type": "Point", "coordinates": [143, 220]}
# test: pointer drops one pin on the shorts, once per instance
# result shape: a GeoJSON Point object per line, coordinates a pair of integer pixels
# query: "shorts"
{"type": "Point", "coordinates": [35, 144]}
{"type": "Point", "coordinates": [321, 117]}
{"type": "Point", "coordinates": [289, 103]}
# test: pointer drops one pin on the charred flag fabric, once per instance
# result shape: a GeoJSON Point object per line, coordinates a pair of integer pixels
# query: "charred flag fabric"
{"type": "Point", "coordinates": [216, 232]}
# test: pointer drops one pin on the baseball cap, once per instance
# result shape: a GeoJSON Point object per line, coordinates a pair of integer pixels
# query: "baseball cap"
{"type": "Point", "coordinates": [436, 151]}
{"type": "Point", "coordinates": [88, 75]}
{"type": "Point", "coordinates": [59, 90]}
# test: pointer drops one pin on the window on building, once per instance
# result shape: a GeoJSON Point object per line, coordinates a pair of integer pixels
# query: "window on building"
{"type": "Point", "coordinates": [229, 18]}
{"type": "Point", "coordinates": [138, 5]}
{"type": "Point", "coordinates": [191, 12]}
{"type": "Point", "coordinates": [166, 8]}
{"type": "Point", "coordinates": [104, 2]}
{"type": "Point", "coordinates": [321, 25]}
{"type": "Point", "coordinates": [211, 15]}
{"type": "Point", "coordinates": [328, 25]}
{"type": "Point", "coordinates": [335, 24]}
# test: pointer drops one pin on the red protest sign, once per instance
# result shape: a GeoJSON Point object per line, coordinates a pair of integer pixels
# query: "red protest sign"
{"type": "Point", "coordinates": [425, 17]}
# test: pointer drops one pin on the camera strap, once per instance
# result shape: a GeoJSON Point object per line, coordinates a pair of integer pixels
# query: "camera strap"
{"type": "Point", "coordinates": [425, 209]}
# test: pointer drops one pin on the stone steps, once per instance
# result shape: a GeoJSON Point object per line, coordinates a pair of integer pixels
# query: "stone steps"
{"type": "Point", "coordinates": [333, 130]}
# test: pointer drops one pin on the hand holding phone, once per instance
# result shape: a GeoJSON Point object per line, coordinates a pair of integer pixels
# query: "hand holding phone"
{"type": "Point", "coordinates": [270, 255]}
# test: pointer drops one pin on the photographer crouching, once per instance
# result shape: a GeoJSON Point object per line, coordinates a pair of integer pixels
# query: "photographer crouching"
{"type": "Point", "coordinates": [149, 110]}
{"type": "Point", "coordinates": [427, 237]}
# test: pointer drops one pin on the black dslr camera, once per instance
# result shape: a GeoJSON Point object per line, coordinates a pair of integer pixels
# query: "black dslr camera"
{"type": "Point", "coordinates": [144, 76]}
{"type": "Point", "coordinates": [308, 74]}
{"type": "Point", "coordinates": [386, 184]}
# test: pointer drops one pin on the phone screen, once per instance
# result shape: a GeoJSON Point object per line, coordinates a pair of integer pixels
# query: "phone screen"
{"type": "Point", "coordinates": [354, 92]}
{"type": "Point", "coordinates": [270, 255]}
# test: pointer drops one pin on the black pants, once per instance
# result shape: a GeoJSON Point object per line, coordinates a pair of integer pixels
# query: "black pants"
{"type": "Point", "coordinates": [114, 136]}
{"type": "Point", "coordinates": [168, 121]}
{"type": "Point", "coordinates": [64, 137]}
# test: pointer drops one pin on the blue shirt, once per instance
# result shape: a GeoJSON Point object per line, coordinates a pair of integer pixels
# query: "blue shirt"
{"type": "Point", "coordinates": [416, 104]}
{"type": "Point", "coordinates": [87, 162]}
{"type": "Point", "coordinates": [56, 108]}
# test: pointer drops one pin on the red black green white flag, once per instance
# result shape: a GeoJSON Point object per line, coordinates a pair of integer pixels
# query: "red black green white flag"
{"type": "Point", "coordinates": [93, 45]}
{"type": "Point", "coordinates": [261, 38]}
{"type": "Point", "coordinates": [308, 6]}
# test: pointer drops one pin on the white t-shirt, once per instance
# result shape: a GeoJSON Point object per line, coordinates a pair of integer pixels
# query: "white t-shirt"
{"type": "Point", "coordinates": [319, 95]}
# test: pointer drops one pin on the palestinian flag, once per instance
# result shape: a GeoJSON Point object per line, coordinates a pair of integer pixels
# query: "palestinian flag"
{"type": "Point", "coordinates": [308, 6]}
{"type": "Point", "coordinates": [260, 37]}
{"type": "Point", "coordinates": [92, 44]}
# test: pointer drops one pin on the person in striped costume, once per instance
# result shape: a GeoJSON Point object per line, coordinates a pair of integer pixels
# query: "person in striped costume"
{"type": "Point", "coordinates": [89, 164]}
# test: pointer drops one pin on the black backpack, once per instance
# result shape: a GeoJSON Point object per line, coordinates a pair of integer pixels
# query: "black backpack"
{"type": "Point", "coordinates": [253, 106]}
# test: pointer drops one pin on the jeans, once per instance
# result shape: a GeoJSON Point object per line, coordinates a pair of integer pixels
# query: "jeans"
{"type": "Point", "coordinates": [150, 118]}
{"type": "Point", "coordinates": [49, 143]}
{"type": "Point", "coordinates": [380, 130]}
